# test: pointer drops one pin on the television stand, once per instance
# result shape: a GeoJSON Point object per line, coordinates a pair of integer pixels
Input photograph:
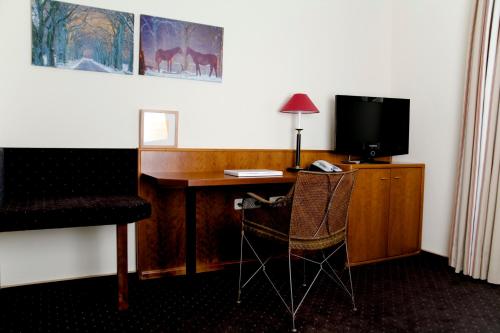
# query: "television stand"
{"type": "Point", "coordinates": [385, 213]}
{"type": "Point", "coordinates": [367, 161]}
{"type": "Point", "coordinates": [372, 161]}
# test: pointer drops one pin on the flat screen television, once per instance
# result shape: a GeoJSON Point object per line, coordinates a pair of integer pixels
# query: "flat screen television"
{"type": "Point", "coordinates": [371, 127]}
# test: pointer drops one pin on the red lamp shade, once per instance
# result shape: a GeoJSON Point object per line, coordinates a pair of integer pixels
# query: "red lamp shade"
{"type": "Point", "coordinates": [299, 103]}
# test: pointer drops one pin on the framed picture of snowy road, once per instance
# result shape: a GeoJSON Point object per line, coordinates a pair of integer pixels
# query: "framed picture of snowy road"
{"type": "Point", "coordinates": [179, 49]}
{"type": "Point", "coordinates": [71, 36]}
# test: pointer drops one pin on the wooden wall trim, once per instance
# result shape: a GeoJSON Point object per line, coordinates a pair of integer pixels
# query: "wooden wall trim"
{"type": "Point", "coordinates": [210, 160]}
{"type": "Point", "coordinates": [232, 150]}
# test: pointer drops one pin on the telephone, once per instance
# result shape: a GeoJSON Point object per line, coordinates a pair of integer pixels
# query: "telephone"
{"type": "Point", "coordinates": [325, 166]}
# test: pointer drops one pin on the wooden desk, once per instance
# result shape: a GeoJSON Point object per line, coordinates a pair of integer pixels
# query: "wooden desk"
{"type": "Point", "coordinates": [161, 240]}
{"type": "Point", "coordinates": [190, 183]}
{"type": "Point", "coordinates": [188, 191]}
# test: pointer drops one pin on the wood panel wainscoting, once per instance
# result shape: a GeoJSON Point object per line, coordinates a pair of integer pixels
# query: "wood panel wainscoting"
{"type": "Point", "coordinates": [161, 240]}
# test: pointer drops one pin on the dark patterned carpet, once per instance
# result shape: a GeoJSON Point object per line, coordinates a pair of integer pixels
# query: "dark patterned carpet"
{"type": "Point", "coordinates": [417, 294]}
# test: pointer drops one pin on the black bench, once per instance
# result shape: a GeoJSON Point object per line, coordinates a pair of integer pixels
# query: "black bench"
{"type": "Point", "coordinates": [45, 188]}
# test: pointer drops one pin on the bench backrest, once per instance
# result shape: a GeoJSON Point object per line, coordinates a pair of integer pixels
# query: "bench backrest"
{"type": "Point", "coordinates": [34, 172]}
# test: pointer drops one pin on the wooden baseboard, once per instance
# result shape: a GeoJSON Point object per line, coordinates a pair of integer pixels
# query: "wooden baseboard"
{"type": "Point", "coordinates": [384, 259]}
{"type": "Point", "coordinates": [157, 273]}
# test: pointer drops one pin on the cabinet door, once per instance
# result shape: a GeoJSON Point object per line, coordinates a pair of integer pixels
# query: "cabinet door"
{"type": "Point", "coordinates": [368, 215]}
{"type": "Point", "coordinates": [405, 210]}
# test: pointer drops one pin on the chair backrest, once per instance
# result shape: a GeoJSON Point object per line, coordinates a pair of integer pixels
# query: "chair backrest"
{"type": "Point", "coordinates": [320, 204]}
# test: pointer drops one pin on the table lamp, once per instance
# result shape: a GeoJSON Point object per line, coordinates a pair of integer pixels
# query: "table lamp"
{"type": "Point", "coordinates": [299, 104]}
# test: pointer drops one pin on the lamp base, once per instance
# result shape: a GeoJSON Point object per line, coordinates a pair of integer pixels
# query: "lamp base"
{"type": "Point", "coordinates": [294, 169]}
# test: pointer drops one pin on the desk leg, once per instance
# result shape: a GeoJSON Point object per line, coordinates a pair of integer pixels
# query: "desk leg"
{"type": "Point", "coordinates": [190, 231]}
{"type": "Point", "coordinates": [122, 266]}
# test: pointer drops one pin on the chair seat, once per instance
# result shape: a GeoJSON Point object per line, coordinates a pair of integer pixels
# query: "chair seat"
{"type": "Point", "coordinates": [76, 211]}
{"type": "Point", "coordinates": [308, 244]}
{"type": "Point", "coordinates": [264, 231]}
{"type": "Point", "coordinates": [317, 243]}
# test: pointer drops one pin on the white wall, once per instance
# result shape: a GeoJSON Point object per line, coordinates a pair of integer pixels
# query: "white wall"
{"type": "Point", "coordinates": [428, 66]}
{"type": "Point", "coordinates": [400, 48]}
{"type": "Point", "coordinates": [271, 50]}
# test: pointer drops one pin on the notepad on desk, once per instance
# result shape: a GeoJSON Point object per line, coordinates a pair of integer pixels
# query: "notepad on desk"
{"type": "Point", "coordinates": [253, 173]}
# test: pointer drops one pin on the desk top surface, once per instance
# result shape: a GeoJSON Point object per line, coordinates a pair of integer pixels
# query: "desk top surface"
{"type": "Point", "coordinates": [199, 179]}
{"type": "Point", "coordinates": [218, 178]}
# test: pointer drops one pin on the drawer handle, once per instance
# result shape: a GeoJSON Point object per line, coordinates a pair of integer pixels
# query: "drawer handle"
{"type": "Point", "coordinates": [397, 177]}
{"type": "Point", "coordinates": [384, 178]}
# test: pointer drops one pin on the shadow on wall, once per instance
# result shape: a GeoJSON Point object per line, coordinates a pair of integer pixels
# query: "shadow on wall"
{"type": "Point", "coordinates": [331, 120]}
{"type": "Point", "coordinates": [1, 177]}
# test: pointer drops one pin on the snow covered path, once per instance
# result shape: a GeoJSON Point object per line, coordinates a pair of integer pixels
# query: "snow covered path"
{"type": "Point", "coordinates": [90, 65]}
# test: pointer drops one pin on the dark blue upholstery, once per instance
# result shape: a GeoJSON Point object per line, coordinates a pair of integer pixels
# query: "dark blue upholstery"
{"type": "Point", "coordinates": [42, 188]}
{"type": "Point", "coordinates": [36, 172]}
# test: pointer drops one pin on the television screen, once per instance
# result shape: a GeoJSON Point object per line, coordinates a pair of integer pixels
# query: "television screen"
{"type": "Point", "coordinates": [371, 126]}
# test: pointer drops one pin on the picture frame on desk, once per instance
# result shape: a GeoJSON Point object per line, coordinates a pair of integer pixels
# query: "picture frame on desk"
{"type": "Point", "coordinates": [158, 129]}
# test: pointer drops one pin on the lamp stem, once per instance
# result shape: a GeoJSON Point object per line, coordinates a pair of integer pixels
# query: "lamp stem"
{"type": "Point", "coordinates": [297, 154]}
{"type": "Point", "coordinates": [297, 150]}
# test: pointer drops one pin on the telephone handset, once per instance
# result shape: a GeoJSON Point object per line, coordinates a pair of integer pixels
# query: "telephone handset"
{"type": "Point", "coordinates": [325, 166]}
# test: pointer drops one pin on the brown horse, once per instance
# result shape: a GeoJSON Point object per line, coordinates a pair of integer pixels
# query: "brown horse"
{"type": "Point", "coordinates": [166, 55]}
{"type": "Point", "coordinates": [142, 63]}
{"type": "Point", "coordinates": [203, 59]}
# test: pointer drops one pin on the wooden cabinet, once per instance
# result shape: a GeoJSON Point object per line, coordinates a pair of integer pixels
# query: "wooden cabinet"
{"type": "Point", "coordinates": [385, 216]}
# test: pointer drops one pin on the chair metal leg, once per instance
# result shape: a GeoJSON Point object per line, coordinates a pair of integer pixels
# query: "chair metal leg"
{"type": "Point", "coordinates": [331, 273]}
{"type": "Point", "coordinates": [262, 268]}
{"type": "Point", "coordinates": [241, 263]}
{"type": "Point", "coordinates": [291, 289]}
{"type": "Point", "coordinates": [291, 307]}
{"type": "Point", "coordinates": [350, 278]}
{"type": "Point", "coordinates": [335, 277]}
{"type": "Point", "coordinates": [304, 270]}
{"type": "Point", "coordinates": [308, 289]}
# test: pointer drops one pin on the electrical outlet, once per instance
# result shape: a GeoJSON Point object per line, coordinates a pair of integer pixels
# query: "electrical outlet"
{"type": "Point", "coordinates": [239, 202]}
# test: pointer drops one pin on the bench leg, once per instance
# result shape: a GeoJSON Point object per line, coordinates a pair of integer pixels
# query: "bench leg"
{"type": "Point", "coordinates": [122, 266]}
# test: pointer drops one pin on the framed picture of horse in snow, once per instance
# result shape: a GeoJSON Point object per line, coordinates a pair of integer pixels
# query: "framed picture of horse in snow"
{"type": "Point", "coordinates": [180, 49]}
{"type": "Point", "coordinates": [71, 36]}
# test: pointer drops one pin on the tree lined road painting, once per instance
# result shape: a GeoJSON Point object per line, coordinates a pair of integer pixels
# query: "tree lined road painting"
{"type": "Point", "coordinates": [180, 49]}
{"type": "Point", "coordinates": [78, 37]}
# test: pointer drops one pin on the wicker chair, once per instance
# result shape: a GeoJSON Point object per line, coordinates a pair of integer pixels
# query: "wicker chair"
{"type": "Point", "coordinates": [309, 220]}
